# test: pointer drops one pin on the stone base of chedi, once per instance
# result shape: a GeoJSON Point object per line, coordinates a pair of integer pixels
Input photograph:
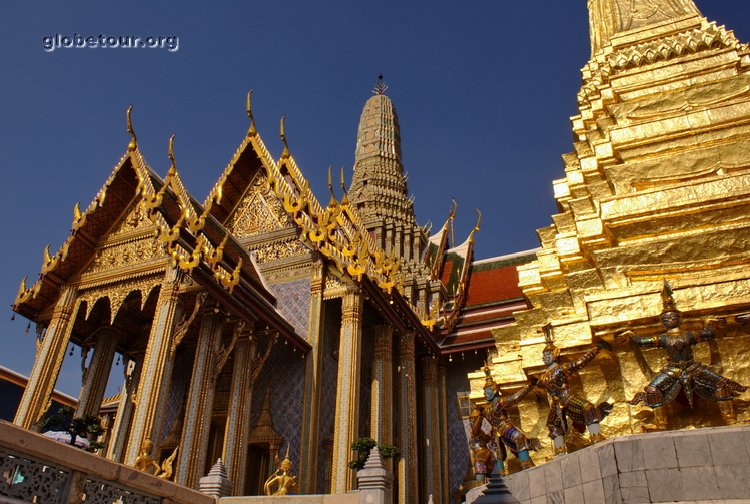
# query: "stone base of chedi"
{"type": "Point", "coordinates": [711, 465]}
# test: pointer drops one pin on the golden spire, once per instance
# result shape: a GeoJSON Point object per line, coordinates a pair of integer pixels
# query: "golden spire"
{"type": "Point", "coordinates": [133, 144]}
{"type": "Point", "coordinates": [610, 17]}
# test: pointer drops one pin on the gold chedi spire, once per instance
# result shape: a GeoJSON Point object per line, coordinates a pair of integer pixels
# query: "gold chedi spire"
{"type": "Point", "coordinates": [611, 17]}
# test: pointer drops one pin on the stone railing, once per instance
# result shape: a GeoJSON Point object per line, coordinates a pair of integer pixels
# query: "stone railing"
{"type": "Point", "coordinates": [34, 468]}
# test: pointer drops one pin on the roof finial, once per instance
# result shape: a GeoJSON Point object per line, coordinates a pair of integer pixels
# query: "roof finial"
{"type": "Point", "coordinates": [252, 131]}
{"type": "Point", "coordinates": [380, 87]}
{"type": "Point", "coordinates": [133, 141]}
{"type": "Point", "coordinates": [476, 227]}
{"type": "Point", "coordinates": [285, 152]}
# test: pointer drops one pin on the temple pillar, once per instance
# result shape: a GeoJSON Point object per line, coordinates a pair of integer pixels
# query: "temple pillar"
{"type": "Point", "coordinates": [345, 430]}
{"type": "Point", "coordinates": [200, 401]}
{"type": "Point", "coordinates": [156, 371]}
{"type": "Point", "coordinates": [431, 429]}
{"type": "Point", "coordinates": [444, 477]}
{"type": "Point", "coordinates": [50, 353]}
{"type": "Point", "coordinates": [381, 392]}
{"type": "Point", "coordinates": [308, 467]}
{"type": "Point", "coordinates": [124, 415]}
{"type": "Point", "coordinates": [96, 375]}
{"type": "Point", "coordinates": [237, 429]}
{"type": "Point", "coordinates": [407, 400]}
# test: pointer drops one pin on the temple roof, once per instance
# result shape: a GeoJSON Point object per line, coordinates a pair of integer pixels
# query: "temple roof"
{"type": "Point", "coordinates": [492, 295]}
{"type": "Point", "coordinates": [378, 187]}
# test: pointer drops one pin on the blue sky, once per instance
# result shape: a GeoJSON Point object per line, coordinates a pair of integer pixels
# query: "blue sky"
{"type": "Point", "coordinates": [484, 91]}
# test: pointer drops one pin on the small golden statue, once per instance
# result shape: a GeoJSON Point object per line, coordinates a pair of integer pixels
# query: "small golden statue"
{"type": "Point", "coordinates": [144, 462]}
{"type": "Point", "coordinates": [682, 372]}
{"type": "Point", "coordinates": [282, 481]}
{"type": "Point", "coordinates": [564, 404]}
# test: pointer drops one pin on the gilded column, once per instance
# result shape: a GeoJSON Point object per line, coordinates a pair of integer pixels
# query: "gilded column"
{"type": "Point", "coordinates": [156, 371]}
{"type": "Point", "coordinates": [308, 468]}
{"type": "Point", "coordinates": [407, 463]}
{"type": "Point", "coordinates": [346, 418]}
{"type": "Point", "coordinates": [237, 429]}
{"type": "Point", "coordinates": [97, 374]}
{"type": "Point", "coordinates": [118, 439]}
{"type": "Point", "coordinates": [443, 434]}
{"type": "Point", "coordinates": [430, 415]}
{"type": "Point", "coordinates": [381, 392]}
{"type": "Point", "coordinates": [200, 401]}
{"type": "Point", "coordinates": [50, 354]}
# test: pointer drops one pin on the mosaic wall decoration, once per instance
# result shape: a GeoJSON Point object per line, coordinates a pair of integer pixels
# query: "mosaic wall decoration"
{"type": "Point", "coordinates": [284, 373]}
{"type": "Point", "coordinates": [294, 303]}
{"type": "Point", "coordinates": [365, 378]}
{"type": "Point", "coordinates": [182, 371]}
{"type": "Point", "coordinates": [328, 383]}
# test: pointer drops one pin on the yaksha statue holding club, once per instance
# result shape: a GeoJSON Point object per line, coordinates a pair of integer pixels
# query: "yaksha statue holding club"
{"type": "Point", "coordinates": [681, 372]}
{"type": "Point", "coordinates": [504, 433]}
{"type": "Point", "coordinates": [565, 405]}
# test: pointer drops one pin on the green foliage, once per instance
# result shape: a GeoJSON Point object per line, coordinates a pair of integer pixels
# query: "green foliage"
{"type": "Point", "coordinates": [363, 446]}
{"type": "Point", "coordinates": [87, 426]}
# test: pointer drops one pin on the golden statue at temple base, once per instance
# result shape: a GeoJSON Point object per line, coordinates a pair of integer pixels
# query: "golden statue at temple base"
{"type": "Point", "coordinates": [682, 372]}
{"type": "Point", "coordinates": [282, 481]}
{"type": "Point", "coordinates": [564, 405]}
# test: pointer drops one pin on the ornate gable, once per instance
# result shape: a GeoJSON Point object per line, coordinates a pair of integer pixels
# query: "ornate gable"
{"type": "Point", "coordinates": [259, 211]}
{"type": "Point", "coordinates": [128, 244]}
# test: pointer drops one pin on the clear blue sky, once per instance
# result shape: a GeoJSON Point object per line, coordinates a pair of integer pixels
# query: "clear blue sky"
{"type": "Point", "coordinates": [484, 91]}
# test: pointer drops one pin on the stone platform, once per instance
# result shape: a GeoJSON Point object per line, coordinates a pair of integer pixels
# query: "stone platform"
{"type": "Point", "coordinates": [702, 465]}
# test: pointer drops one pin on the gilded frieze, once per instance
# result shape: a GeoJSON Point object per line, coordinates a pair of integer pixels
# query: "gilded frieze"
{"type": "Point", "coordinates": [123, 255]}
{"type": "Point", "coordinates": [278, 251]}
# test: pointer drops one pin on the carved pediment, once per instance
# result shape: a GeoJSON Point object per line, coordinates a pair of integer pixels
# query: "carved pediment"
{"type": "Point", "coordinates": [258, 212]}
{"type": "Point", "coordinates": [129, 243]}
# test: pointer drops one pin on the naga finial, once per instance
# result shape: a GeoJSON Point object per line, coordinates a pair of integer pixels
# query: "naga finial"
{"type": "Point", "coordinates": [477, 225]}
{"type": "Point", "coordinates": [252, 131]}
{"type": "Point", "coordinates": [343, 181]}
{"type": "Point", "coordinates": [282, 132]}
{"type": "Point", "coordinates": [330, 181]}
{"type": "Point", "coordinates": [171, 150]}
{"type": "Point", "coordinates": [133, 144]}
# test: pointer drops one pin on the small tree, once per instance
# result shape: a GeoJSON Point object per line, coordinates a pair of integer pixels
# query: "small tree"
{"type": "Point", "coordinates": [363, 446]}
{"type": "Point", "coordinates": [87, 426]}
